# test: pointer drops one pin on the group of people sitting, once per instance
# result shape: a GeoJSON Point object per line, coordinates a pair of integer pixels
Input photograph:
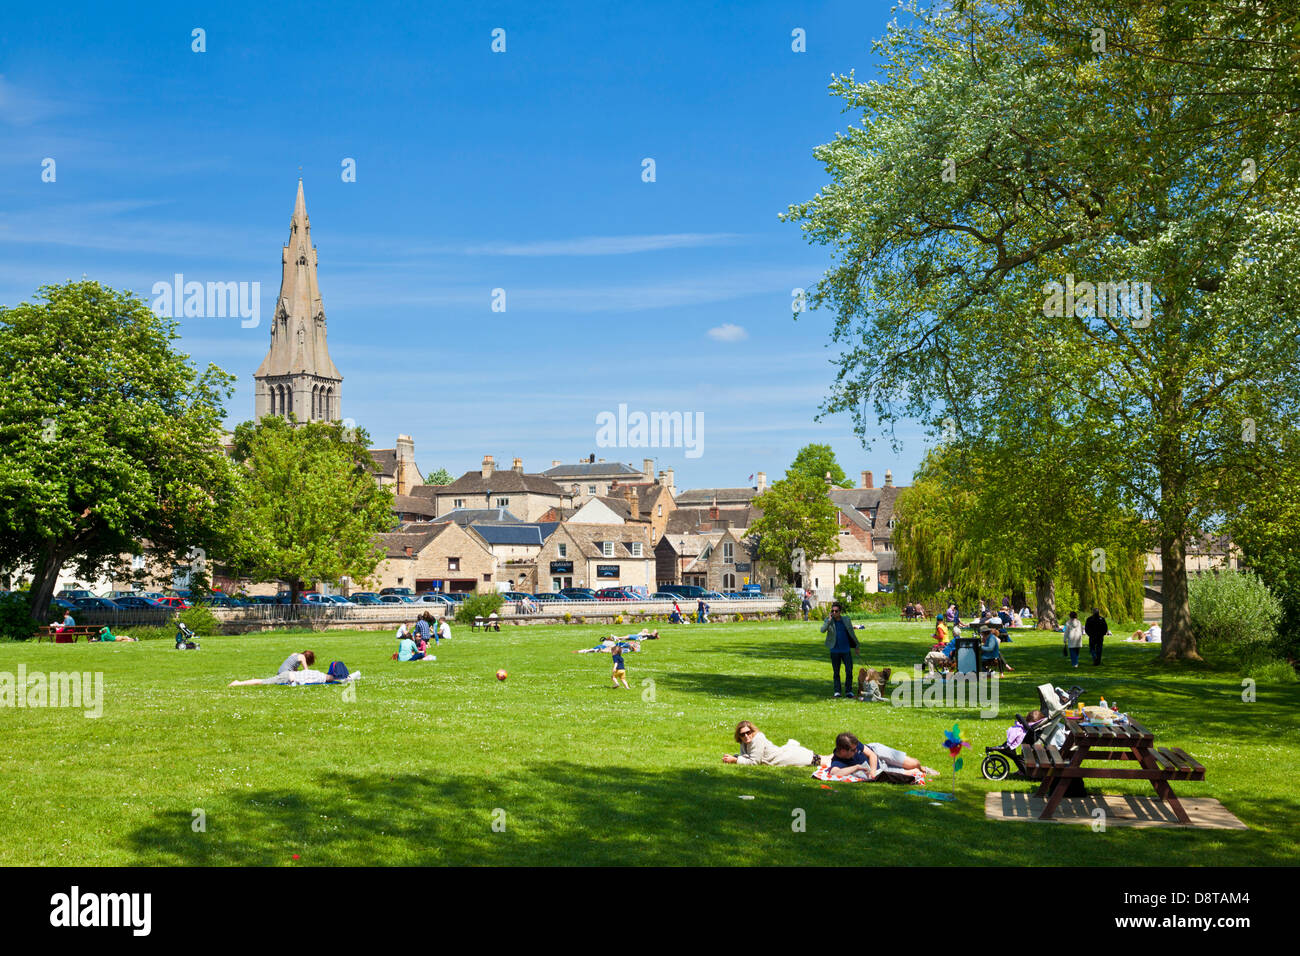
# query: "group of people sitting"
{"type": "Point", "coordinates": [993, 634]}
{"type": "Point", "coordinates": [848, 756]}
{"type": "Point", "coordinates": [413, 642]}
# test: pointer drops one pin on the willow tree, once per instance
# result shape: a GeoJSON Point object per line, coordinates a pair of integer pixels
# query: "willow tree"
{"type": "Point", "coordinates": [1023, 185]}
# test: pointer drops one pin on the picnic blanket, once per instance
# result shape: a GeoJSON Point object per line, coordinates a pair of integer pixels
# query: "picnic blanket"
{"type": "Point", "coordinates": [329, 683]}
{"type": "Point", "coordinates": [885, 775]}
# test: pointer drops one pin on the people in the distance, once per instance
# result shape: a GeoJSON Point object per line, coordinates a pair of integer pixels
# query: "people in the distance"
{"type": "Point", "coordinates": [1096, 628]}
{"type": "Point", "coordinates": [297, 662]}
{"type": "Point", "coordinates": [1073, 631]}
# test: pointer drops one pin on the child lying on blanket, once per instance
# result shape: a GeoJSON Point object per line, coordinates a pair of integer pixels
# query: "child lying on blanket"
{"type": "Point", "coordinates": [851, 756]}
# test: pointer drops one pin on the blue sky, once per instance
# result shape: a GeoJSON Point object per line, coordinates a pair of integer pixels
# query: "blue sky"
{"type": "Point", "coordinates": [474, 171]}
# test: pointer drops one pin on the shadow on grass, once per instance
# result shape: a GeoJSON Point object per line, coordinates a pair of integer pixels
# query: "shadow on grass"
{"type": "Point", "coordinates": [571, 814]}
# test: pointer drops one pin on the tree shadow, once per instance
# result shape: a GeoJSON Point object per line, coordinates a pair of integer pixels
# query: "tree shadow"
{"type": "Point", "coordinates": [573, 814]}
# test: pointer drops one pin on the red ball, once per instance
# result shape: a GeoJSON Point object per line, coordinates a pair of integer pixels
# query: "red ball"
{"type": "Point", "coordinates": [501, 675]}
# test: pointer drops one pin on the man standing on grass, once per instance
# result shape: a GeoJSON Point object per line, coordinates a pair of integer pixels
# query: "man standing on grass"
{"type": "Point", "coordinates": [840, 642]}
{"type": "Point", "coordinates": [1096, 628]}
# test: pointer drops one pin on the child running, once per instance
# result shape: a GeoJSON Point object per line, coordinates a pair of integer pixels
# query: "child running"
{"type": "Point", "coordinates": [620, 670]}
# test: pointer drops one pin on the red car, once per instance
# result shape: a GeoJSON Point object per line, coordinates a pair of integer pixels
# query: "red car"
{"type": "Point", "coordinates": [616, 594]}
{"type": "Point", "coordinates": [175, 603]}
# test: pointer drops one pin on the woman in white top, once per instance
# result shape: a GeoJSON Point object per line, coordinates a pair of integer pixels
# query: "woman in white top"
{"type": "Point", "coordinates": [755, 748]}
{"type": "Point", "coordinates": [1073, 636]}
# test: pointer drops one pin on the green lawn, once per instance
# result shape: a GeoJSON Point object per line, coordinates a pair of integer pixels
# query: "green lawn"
{"type": "Point", "coordinates": [412, 771]}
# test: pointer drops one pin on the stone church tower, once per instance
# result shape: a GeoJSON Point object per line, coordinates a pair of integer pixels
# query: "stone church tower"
{"type": "Point", "coordinates": [297, 375]}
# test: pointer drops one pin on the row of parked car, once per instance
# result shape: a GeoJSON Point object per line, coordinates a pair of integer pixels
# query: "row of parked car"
{"type": "Point", "coordinates": [179, 600]}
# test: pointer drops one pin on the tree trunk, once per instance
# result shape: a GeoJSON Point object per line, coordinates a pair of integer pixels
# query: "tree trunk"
{"type": "Point", "coordinates": [1045, 598]}
{"type": "Point", "coordinates": [44, 577]}
{"type": "Point", "coordinates": [1178, 641]}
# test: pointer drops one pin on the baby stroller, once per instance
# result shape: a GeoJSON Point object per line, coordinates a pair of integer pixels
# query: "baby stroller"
{"type": "Point", "coordinates": [186, 640]}
{"type": "Point", "coordinates": [998, 760]}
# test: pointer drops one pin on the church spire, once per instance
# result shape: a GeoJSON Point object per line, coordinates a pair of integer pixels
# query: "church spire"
{"type": "Point", "coordinates": [297, 374]}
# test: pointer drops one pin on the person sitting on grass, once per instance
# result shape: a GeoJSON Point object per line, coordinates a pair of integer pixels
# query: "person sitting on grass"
{"type": "Point", "coordinates": [297, 662]}
{"type": "Point", "coordinates": [1150, 636]}
{"type": "Point", "coordinates": [755, 748]}
{"type": "Point", "coordinates": [442, 632]}
{"type": "Point", "coordinates": [408, 650]}
{"type": "Point", "coordinates": [851, 755]}
{"type": "Point", "coordinates": [871, 683]}
{"type": "Point", "coordinates": [108, 637]}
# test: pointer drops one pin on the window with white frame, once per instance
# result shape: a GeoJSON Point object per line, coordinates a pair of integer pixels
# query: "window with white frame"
{"type": "Point", "coordinates": [458, 503]}
{"type": "Point", "coordinates": [636, 549]}
{"type": "Point", "coordinates": [591, 489]}
{"type": "Point", "coordinates": [607, 548]}
{"type": "Point", "coordinates": [564, 550]}
{"type": "Point", "coordinates": [728, 553]}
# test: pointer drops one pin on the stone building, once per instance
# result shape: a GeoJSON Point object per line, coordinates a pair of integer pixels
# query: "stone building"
{"type": "Point", "coordinates": [527, 496]}
{"type": "Point", "coordinates": [435, 557]}
{"type": "Point", "coordinates": [867, 514]}
{"type": "Point", "coordinates": [297, 377]}
{"type": "Point", "coordinates": [596, 556]}
{"type": "Point", "coordinates": [592, 478]}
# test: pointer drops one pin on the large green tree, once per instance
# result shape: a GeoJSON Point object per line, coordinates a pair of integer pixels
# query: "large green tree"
{"type": "Point", "coordinates": [1023, 188]}
{"type": "Point", "coordinates": [798, 516]}
{"type": "Point", "coordinates": [818, 461]}
{"type": "Point", "coordinates": [109, 438]}
{"type": "Point", "coordinates": [309, 506]}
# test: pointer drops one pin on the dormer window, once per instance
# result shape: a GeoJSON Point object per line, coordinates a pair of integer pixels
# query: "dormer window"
{"type": "Point", "coordinates": [607, 548]}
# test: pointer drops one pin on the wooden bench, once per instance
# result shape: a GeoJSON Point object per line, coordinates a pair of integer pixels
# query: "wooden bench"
{"type": "Point", "coordinates": [486, 623]}
{"type": "Point", "coordinates": [1123, 742]}
{"type": "Point", "coordinates": [66, 635]}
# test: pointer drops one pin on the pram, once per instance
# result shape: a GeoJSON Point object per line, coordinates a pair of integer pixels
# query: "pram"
{"type": "Point", "coordinates": [186, 640]}
{"type": "Point", "coordinates": [998, 760]}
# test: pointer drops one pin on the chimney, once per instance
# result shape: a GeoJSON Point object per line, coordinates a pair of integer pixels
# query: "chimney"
{"type": "Point", "coordinates": [487, 467]}
{"type": "Point", "coordinates": [555, 463]}
{"type": "Point", "coordinates": [633, 504]}
{"type": "Point", "coordinates": [828, 479]}
{"type": "Point", "coordinates": [713, 510]}
{"type": "Point", "coordinates": [762, 482]}
{"type": "Point", "coordinates": [671, 487]}
{"type": "Point", "coordinates": [518, 466]}
{"type": "Point", "coordinates": [405, 464]}
{"type": "Point", "coordinates": [889, 478]}
{"type": "Point", "coordinates": [648, 468]}
{"type": "Point", "coordinates": [866, 480]}
{"type": "Point", "coordinates": [602, 461]}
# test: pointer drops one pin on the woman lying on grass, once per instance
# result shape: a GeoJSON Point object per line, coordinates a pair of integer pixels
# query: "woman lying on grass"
{"type": "Point", "coordinates": [755, 748]}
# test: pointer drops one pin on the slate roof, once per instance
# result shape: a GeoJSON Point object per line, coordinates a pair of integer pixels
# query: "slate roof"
{"type": "Point", "coordinates": [414, 536]}
{"type": "Point", "coordinates": [585, 536]}
{"type": "Point", "coordinates": [468, 516]}
{"type": "Point", "coordinates": [601, 469]}
{"type": "Point", "coordinates": [695, 520]}
{"type": "Point", "coordinates": [506, 533]}
{"type": "Point", "coordinates": [386, 459]}
{"type": "Point", "coordinates": [500, 483]}
{"type": "Point", "coordinates": [697, 497]}
{"type": "Point", "coordinates": [414, 505]}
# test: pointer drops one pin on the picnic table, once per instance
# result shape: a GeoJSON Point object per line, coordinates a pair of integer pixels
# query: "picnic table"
{"type": "Point", "coordinates": [1114, 743]}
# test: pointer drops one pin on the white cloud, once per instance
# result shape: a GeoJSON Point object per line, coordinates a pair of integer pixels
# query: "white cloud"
{"type": "Point", "coordinates": [728, 332]}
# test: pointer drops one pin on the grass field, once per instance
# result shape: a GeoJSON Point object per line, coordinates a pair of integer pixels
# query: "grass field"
{"type": "Point", "coordinates": [418, 767]}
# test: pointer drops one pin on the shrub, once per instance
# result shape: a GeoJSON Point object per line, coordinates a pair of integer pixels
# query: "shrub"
{"type": "Point", "coordinates": [1273, 672]}
{"type": "Point", "coordinates": [791, 604]}
{"type": "Point", "coordinates": [16, 622]}
{"type": "Point", "coordinates": [567, 617]}
{"type": "Point", "coordinates": [818, 613]}
{"type": "Point", "coordinates": [200, 620]}
{"type": "Point", "coordinates": [479, 605]}
{"type": "Point", "coordinates": [852, 592]}
{"type": "Point", "coordinates": [1235, 616]}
